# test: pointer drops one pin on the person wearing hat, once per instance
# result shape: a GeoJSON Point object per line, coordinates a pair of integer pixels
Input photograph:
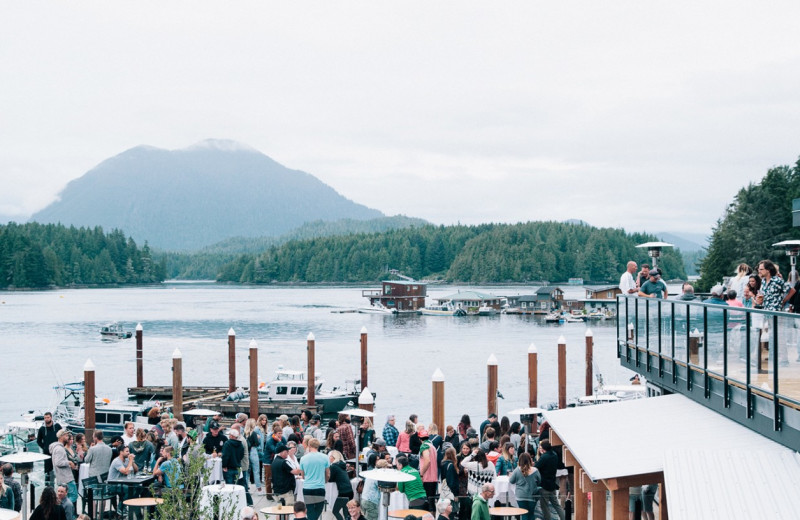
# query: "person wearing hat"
{"type": "Point", "coordinates": [315, 430]}
{"type": "Point", "coordinates": [62, 465]}
{"type": "Point", "coordinates": [216, 418]}
{"type": "Point", "coordinates": [428, 463]}
{"type": "Point", "coordinates": [232, 455]}
{"type": "Point", "coordinates": [215, 440]}
{"type": "Point", "coordinates": [378, 451]}
{"type": "Point", "coordinates": [283, 476]}
{"type": "Point", "coordinates": [654, 287]}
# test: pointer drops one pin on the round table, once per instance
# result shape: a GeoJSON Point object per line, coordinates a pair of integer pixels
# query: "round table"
{"type": "Point", "coordinates": [282, 512]}
{"type": "Point", "coordinates": [505, 512]}
{"type": "Point", "coordinates": [9, 514]}
{"type": "Point", "coordinates": [143, 502]}
{"type": "Point", "coordinates": [402, 513]}
{"type": "Point", "coordinates": [228, 496]}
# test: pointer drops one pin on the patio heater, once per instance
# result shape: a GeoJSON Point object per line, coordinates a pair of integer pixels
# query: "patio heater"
{"type": "Point", "coordinates": [792, 248]}
{"type": "Point", "coordinates": [357, 415]}
{"type": "Point", "coordinates": [654, 250]}
{"type": "Point", "coordinates": [527, 416]}
{"type": "Point", "coordinates": [23, 464]}
{"type": "Point", "coordinates": [387, 483]}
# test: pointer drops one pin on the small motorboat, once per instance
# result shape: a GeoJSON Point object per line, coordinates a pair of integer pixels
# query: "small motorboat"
{"type": "Point", "coordinates": [446, 309]}
{"type": "Point", "coordinates": [114, 331]}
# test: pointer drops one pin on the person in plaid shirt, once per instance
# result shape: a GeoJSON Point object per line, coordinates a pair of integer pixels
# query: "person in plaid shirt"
{"type": "Point", "coordinates": [390, 433]}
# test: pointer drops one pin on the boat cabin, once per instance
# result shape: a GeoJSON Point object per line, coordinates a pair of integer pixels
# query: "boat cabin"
{"type": "Point", "coordinates": [402, 295]}
{"type": "Point", "coordinates": [288, 384]}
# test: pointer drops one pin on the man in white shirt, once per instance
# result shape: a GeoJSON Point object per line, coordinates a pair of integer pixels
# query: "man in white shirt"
{"type": "Point", "coordinates": [626, 283]}
{"type": "Point", "coordinates": [130, 433]}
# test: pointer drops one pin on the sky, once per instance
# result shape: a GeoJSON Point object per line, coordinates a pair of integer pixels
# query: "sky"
{"type": "Point", "coordinates": [647, 116]}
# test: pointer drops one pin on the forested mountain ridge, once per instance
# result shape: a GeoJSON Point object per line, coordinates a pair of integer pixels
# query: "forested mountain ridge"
{"type": "Point", "coordinates": [759, 216]}
{"type": "Point", "coordinates": [487, 253]}
{"type": "Point", "coordinates": [186, 199]}
{"type": "Point", "coordinates": [42, 255]}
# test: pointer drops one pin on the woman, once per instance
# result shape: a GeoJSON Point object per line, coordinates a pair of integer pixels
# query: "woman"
{"type": "Point", "coordinates": [263, 435]}
{"type": "Point", "coordinates": [742, 278]}
{"type": "Point", "coordinates": [365, 433]}
{"type": "Point", "coordinates": [434, 437]}
{"type": "Point", "coordinates": [527, 479]}
{"type": "Point", "coordinates": [292, 459]}
{"type": "Point", "coordinates": [514, 435]}
{"type": "Point", "coordinates": [493, 455]}
{"type": "Point", "coordinates": [505, 426]}
{"type": "Point", "coordinates": [251, 437]}
{"type": "Point", "coordinates": [142, 450]}
{"type": "Point", "coordinates": [370, 496]}
{"type": "Point", "coordinates": [463, 426]}
{"type": "Point", "coordinates": [153, 416]}
{"type": "Point", "coordinates": [463, 477]}
{"type": "Point", "coordinates": [294, 422]}
{"type": "Point", "coordinates": [481, 471]}
{"type": "Point", "coordinates": [273, 441]}
{"type": "Point", "coordinates": [72, 455]}
{"type": "Point", "coordinates": [444, 507]}
{"type": "Point", "coordinates": [333, 442]}
{"type": "Point", "coordinates": [48, 508]}
{"type": "Point", "coordinates": [354, 510]}
{"type": "Point", "coordinates": [80, 446]}
{"type": "Point", "coordinates": [507, 462]}
{"type": "Point", "coordinates": [157, 445]}
{"type": "Point", "coordinates": [338, 475]}
{"type": "Point", "coordinates": [404, 438]}
{"type": "Point", "coordinates": [451, 436]}
{"type": "Point", "coordinates": [6, 496]}
{"type": "Point", "coordinates": [450, 475]}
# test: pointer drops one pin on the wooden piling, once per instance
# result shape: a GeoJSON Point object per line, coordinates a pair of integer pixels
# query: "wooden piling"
{"type": "Point", "coordinates": [694, 347]}
{"type": "Point", "coordinates": [533, 376]}
{"type": "Point", "coordinates": [253, 357]}
{"type": "Point", "coordinates": [231, 360]}
{"type": "Point", "coordinates": [437, 393]}
{"type": "Point", "coordinates": [562, 373]}
{"type": "Point", "coordinates": [310, 372]}
{"type": "Point", "coordinates": [365, 400]}
{"type": "Point", "coordinates": [89, 397]}
{"type": "Point", "coordinates": [589, 360]}
{"type": "Point", "coordinates": [139, 359]}
{"type": "Point", "coordinates": [364, 371]}
{"type": "Point", "coordinates": [491, 387]}
{"type": "Point", "coordinates": [177, 384]}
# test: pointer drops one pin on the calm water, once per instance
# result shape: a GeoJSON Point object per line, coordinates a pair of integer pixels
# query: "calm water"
{"type": "Point", "coordinates": [46, 337]}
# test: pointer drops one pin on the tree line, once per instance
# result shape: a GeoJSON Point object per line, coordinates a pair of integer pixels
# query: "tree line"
{"type": "Point", "coordinates": [36, 255]}
{"type": "Point", "coordinates": [486, 253]}
{"type": "Point", "coordinates": [759, 216]}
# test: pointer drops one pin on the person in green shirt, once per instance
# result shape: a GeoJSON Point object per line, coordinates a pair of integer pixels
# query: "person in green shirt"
{"type": "Point", "coordinates": [413, 489]}
{"type": "Point", "coordinates": [480, 503]}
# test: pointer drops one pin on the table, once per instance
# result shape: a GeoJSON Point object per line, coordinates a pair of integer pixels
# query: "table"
{"type": "Point", "coordinates": [8, 514]}
{"type": "Point", "coordinates": [83, 472]}
{"type": "Point", "coordinates": [398, 500]}
{"type": "Point", "coordinates": [331, 493]}
{"type": "Point", "coordinates": [138, 480]}
{"type": "Point", "coordinates": [143, 502]}
{"type": "Point", "coordinates": [215, 465]}
{"type": "Point", "coordinates": [502, 486]}
{"type": "Point", "coordinates": [505, 512]}
{"type": "Point", "coordinates": [282, 512]}
{"type": "Point", "coordinates": [402, 513]}
{"type": "Point", "coordinates": [227, 496]}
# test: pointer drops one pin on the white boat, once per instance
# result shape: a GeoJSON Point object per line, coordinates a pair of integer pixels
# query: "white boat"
{"type": "Point", "coordinates": [377, 308]}
{"type": "Point", "coordinates": [446, 309]}
{"type": "Point", "coordinates": [485, 310]}
{"type": "Point", "coordinates": [112, 331]}
{"type": "Point", "coordinates": [292, 386]}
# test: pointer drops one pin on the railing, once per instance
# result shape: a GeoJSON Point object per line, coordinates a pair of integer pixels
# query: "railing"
{"type": "Point", "coordinates": [755, 350]}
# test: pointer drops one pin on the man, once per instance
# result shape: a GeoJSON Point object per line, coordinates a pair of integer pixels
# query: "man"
{"type": "Point", "coordinates": [122, 466]}
{"type": "Point", "coordinates": [129, 435]}
{"type": "Point", "coordinates": [8, 478]}
{"type": "Point", "coordinates": [548, 464]}
{"type": "Point", "coordinates": [215, 440]}
{"type": "Point", "coordinates": [305, 420]}
{"type": "Point", "coordinates": [480, 503]}
{"type": "Point", "coordinates": [241, 419]}
{"type": "Point", "coordinates": [62, 465]}
{"type": "Point", "coordinates": [181, 443]}
{"type": "Point", "coordinates": [286, 428]}
{"type": "Point", "coordinates": [315, 468]}
{"type": "Point", "coordinates": [347, 437]}
{"type": "Point", "coordinates": [773, 296]}
{"type": "Point", "coordinates": [654, 287]}
{"type": "Point", "coordinates": [716, 295]}
{"type": "Point", "coordinates": [390, 432]}
{"type": "Point", "coordinates": [232, 454]}
{"type": "Point", "coordinates": [244, 464]}
{"type": "Point", "coordinates": [626, 282]}
{"type": "Point", "coordinates": [167, 470]}
{"type": "Point", "coordinates": [300, 510]}
{"type": "Point", "coordinates": [46, 436]}
{"type": "Point", "coordinates": [216, 418]}
{"type": "Point", "coordinates": [687, 294]}
{"type": "Point", "coordinates": [489, 420]}
{"type": "Point", "coordinates": [644, 275]}
{"type": "Point", "coordinates": [490, 435]}
{"type": "Point", "coordinates": [378, 451]}
{"type": "Point", "coordinates": [314, 429]}
{"type": "Point", "coordinates": [414, 490]}
{"type": "Point", "coordinates": [99, 455]}
{"type": "Point", "coordinates": [116, 445]}
{"type": "Point", "coordinates": [64, 501]}
{"type": "Point", "coordinates": [283, 476]}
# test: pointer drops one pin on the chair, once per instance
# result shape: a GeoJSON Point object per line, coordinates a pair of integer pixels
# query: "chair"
{"type": "Point", "coordinates": [94, 491]}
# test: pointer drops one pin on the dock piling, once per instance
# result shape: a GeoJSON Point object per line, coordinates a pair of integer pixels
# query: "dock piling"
{"type": "Point", "coordinates": [139, 357]}
{"type": "Point", "coordinates": [589, 360]}
{"type": "Point", "coordinates": [562, 372]}
{"type": "Point", "coordinates": [437, 391]}
{"type": "Point", "coordinates": [253, 357]}
{"type": "Point", "coordinates": [89, 398]}
{"type": "Point", "coordinates": [177, 384]}
{"type": "Point", "coordinates": [312, 401]}
{"type": "Point", "coordinates": [533, 376]}
{"type": "Point", "coordinates": [491, 387]}
{"type": "Point", "coordinates": [364, 370]}
{"type": "Point", "coordinates": [231, 360]}
{"type": "Point", "coordinates": [365, 400]}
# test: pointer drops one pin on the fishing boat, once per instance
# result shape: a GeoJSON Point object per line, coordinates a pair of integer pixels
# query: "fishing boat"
{"type": "Point", "coordinates": [114, 331]}
{"type": "Point", "coordinates": [110, 416]}
{"type": "Point", "coordinates": [292, 385]}
{"type": "Point", "coordinates": [445, 309]}
{"type": "Point", "coordinates": [19, 436]}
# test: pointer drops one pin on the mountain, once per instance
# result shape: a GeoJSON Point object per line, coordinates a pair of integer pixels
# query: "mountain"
{"type": "Point", "coordinates": [686, 242]}
{"type": "Point", "coordinates": [194, 197]}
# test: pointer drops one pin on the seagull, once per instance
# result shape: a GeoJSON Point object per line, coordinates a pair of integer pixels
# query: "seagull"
{"type": "Point", "coordinates": [500, 395]}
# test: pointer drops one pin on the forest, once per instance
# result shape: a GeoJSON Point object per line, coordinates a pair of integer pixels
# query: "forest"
{"type": "Point", "coordinates": [759, 216]}
{"type": "Point", "coordinates": [36, 256]}
{"type": "Point", "coordinates": [486, 253]}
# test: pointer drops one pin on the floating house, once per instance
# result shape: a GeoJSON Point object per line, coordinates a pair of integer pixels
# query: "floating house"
{"type": "Point", "coordinates": [473, 300]}
{"type": "Point", "coordinates": [400, 295]}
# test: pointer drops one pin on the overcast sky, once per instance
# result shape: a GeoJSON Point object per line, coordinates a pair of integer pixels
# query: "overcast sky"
{"type": "Point", "coordinates": [641, 115]}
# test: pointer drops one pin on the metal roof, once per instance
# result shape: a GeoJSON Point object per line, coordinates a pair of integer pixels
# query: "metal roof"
{"type": "Point", "coordinates": [631, 437]}
{"type": "Point", "coordinates": [732, 484]}
{"type": "Point", "coordinates": [469, 295]}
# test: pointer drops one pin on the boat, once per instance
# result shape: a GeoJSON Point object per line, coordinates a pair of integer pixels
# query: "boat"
{"type": "Point", "coordinates": [405, 296]}
{"type": "Point", "coordinates": [114, 331]}
{"type": "Point", "coordinates": [486, 310]}
{"type": "Point", "coordinates": [553, 317]}
{"type": "Point", "coordinates": [445, 309]}
{"type": "Point", "coordinates": [19, 436]}
{"type": "Point", "coordinates": [292, 386]}
{"type": "Point", "coordinates": [110, 416]}
{"type": "Point", "coordinates": [377, 308]}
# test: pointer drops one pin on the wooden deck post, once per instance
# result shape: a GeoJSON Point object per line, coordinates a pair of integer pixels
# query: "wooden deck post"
{"type": "Point", "coordinates": [253, 378]}
{"type": "Point", "coordinates": [364, 371]}
{"type": "Point", "coordinates": [533, 376]}
{"type": "Point", "coordinates": [231, 360]}
{"type": "Point", "coordinates": [437, 393]}
{"type": "Point", "coordinates": [763, 351]}
{"type": "Point", "coordinates": [663, 509]}
{"type": "Point", "coordinates": [630, 331]}
{"type": "Point", "coordinates": [694, 347]}
{"type": "Point", "coordinates": [139, 361]}
{"type": "Point", "coordinates": [619, 504]}
{"type": "Point", "coordinates": [366, 401]}
{"type": "Point", "coordinates": [311, 392]}
{"type": "Point", "coordinates": [562, 372]}
{"type": "Point", "coordinates": [88, 399]}
{"type": "Point", "coordinates": [177, 384]}
{"type": "Point", "coordinates": [491, 387]}
{"type": "Point", "coordinates": [589, 360]}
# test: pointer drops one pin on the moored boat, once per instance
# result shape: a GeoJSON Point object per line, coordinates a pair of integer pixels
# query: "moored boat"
{"type": "Point", "coordinates": [292, 385]}
{"type": "Point", "coordinates": [445, 309]}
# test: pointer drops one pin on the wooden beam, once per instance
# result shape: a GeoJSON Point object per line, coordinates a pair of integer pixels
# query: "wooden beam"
{"type": "Point", "coordinates": [614, 484]}
{"type": "Point", "coordinates": [555, 440]}
{"type": "Point", "coordinates": [663, 511]}
{"type": "Point", "coordinates": [619, 504]}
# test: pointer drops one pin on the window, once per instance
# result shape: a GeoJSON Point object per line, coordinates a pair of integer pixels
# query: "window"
{"type": "Point", "coordinates": [112, 418]}
{"type": "Point", "coordinates": [281, 390]}
{"type": "Point", "coordinates": [610, 294]}
{"type": "Point", "coordinates": [298, 390]}
{"type": "Point", "coordinates": [100, 417]}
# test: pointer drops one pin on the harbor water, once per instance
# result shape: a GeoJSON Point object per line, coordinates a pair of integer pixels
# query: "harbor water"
{"type": "Point", "coordinates": [46, 338]}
